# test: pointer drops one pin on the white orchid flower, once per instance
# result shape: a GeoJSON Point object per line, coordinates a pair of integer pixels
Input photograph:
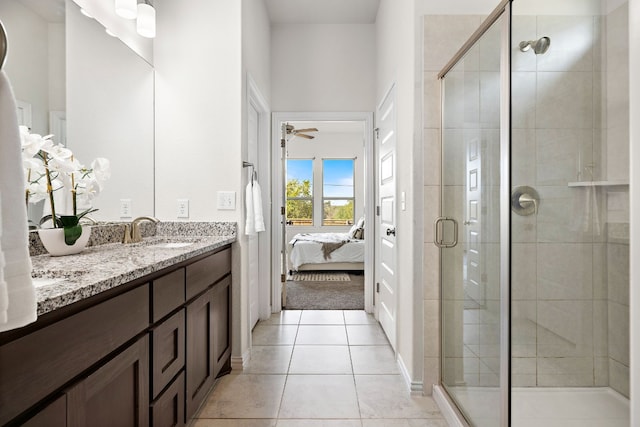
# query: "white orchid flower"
{"type": "Point", "coordinates": [31, 142]}
{"type": "Point", "coordinates": [101, 170]}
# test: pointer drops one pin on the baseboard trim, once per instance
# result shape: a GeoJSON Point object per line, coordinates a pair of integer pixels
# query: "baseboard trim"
{"type": "Point", "coordinates": [449, 412]}
{"type": "Point", "coordinates": [239, 362]}
{"type": "Point", "coordinates": [415, 387]}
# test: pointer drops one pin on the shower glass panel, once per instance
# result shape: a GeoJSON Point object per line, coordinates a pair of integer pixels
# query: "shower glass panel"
{"type": "Point", "coordinates": [471, 334]}
{"type": "Point", "coordinates": [570, 216]}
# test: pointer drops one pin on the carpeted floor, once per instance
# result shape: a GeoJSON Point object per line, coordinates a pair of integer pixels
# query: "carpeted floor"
{"type": "Point", "coordinates": [305, 295]}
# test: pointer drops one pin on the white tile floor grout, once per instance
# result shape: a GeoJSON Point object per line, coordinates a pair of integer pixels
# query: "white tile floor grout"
{"type": "Point", "coordinates": [308, 371]}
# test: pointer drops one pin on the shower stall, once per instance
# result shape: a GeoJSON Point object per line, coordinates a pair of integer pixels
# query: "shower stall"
{"type": "Point", "coordinates": [534, 225]}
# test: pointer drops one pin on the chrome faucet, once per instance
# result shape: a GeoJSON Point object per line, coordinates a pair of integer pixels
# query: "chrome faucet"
{"type": "Point", "coordinates": [132, 232]}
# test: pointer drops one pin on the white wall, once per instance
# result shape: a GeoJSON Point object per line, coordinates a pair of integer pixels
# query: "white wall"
{"type": "Point", "coordinates": [256, 60]}
{"type": "Point", "coordinates": [634, 72]}
{"type": "Point", "coordinates": [197, 60]}
{"type": "Point", "coordinates": [323, 67]}
{"type": "Point", "coordinates": [110, 113]}
{"type": "Point", "coordinates": [395, 42]}
{"type": "Point", "coordinates": [27, 61]}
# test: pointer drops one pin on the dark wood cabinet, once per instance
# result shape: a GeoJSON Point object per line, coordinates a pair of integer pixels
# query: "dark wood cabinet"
{"type": "Point", "coordinates": [53, 415]}
{"type": "Point", "coordinates": [146, 353]}
{"type": "Point", "coordinates": [200, 360]}
{"type": "Point", "coordinates": [117, 394]}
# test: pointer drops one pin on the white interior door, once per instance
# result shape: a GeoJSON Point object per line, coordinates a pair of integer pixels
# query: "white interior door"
{"type": "Point", "coordinates": [386, 273]}
{"type": "Point", "coordinates": [253, 243]}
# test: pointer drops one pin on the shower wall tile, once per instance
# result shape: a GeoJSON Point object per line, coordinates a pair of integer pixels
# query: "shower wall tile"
{"type": "Point", "coordinates": [572, 39]}
{"type": "Point", "coordinates": [562, 216]}
{"type": "Point", "coordinates": [431, 194]}
{"type": "Point", "coordinates": [454, 291]}
{"type": "Point", "coordinates": [432, 101]}
{"type": "Point", "coordinates": [438, 49]}
{"type": "Point", "coordinates": [600, 285]}
{"type": "Point", "coordinates": [489, 113]}
{"type": "Point", "coordinates": [489, 49]}
{"type": "Point", "coordinates": [432, 157]}
{"type": "Point", "coordinates": [524, 366]}
{"type": "Point", "coordinates": [431, 328]}
{"type": "Point", "coordinates": [524, 229]}
{"type": "Point", "coordinates": [431, 289]}
{"type": "Point", "coordinates": [599, 43]}
{"type": "Point", "coordinates": [619, 333]}
{"type": "Point", "coordinates": [565, 329]}
{"type": "Point", "coordinates": [600, 328]}
{"type": "Point", "coordinates": [564, 100]}
{"type": "Point", "coordinates": [523, 164]}
{"type": "Point", "coordinates": [464, 87]}
{"type": "Point", "coordinates": [431, 374]}
{"type": "Point", "coordinates": [524, 328]}
{"type": "Point", "coordinates": [523, 380]}
{"type": "Point", "coordinates": [618, 153]}
{"type": "Point", "coordinates": [524, 282]}
{"type": "Point", "coordinates": [454, 157]}
{"type": "Point", "coordinates": [566, 371]}
{"type": "Point", "coordinates": [619, 377]}
{"type": "Point", "coordinates": [601, 371]}
{"type": "Point", "coordinates": [618, 273]}
{"type": "Point", "coordinates": [524, 90]}
{"type": "Point", "coordinates": [563, 155]}
{"type": "Point", "coordinates": [564, 271]}
{"type": "Point", "coordinates": [523, 28]}
{"type": "Point", "coordinates": [453, 328]}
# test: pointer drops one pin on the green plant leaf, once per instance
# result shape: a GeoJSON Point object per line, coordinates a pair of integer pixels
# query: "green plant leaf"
{"type": "Point", "coordinates": [72, 228]}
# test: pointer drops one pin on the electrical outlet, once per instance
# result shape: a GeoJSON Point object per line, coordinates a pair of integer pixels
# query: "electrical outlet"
{"type": "Point", "coordinates": [226, 200]}
{"type": "Point", "coordinates": [183, 208]}
{"type": "Point", "coordinates": [125, 208]}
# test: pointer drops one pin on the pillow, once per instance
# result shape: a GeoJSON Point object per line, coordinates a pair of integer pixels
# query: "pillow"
{"type": "Point", "coordinates": [359, 234]}
{"type": "Point", "coordinates": [354, 228]}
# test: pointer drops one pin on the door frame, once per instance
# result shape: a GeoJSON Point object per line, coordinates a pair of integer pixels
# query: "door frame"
{"type": "Point", "coordinates": [276, 196]}
{"type": "Point", "coordinates": [255, 98]}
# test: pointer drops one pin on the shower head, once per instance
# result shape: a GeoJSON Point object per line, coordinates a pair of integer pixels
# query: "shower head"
{"type": "Point", "coordinates": [539, 46]}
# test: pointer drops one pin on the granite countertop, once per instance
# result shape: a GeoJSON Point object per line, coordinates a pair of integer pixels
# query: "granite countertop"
{"type": "Point", "coordinates": [61, 281]}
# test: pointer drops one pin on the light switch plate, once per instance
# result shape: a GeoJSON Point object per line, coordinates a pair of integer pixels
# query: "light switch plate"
{"type": "Point", "coordinates": [125, 208]}
{"type": "Point", "coordinates": [226, 200]}
{"type": "Point", "coordinates": [183, 208]}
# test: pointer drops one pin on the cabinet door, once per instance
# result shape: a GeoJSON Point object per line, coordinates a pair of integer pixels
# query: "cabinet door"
{"type": "Point", "coordinates": [222, 327]}
{"type": "Point", "coordinates": [200, 366]}
{"type": "Point", "coordinates": [54, 415]}
{"type": "Point", "coordinates": [168, 409]}
{"type": "Point", "coordinates": [117, 394]}
{"type": "Point", "coordinates": [168, 344]}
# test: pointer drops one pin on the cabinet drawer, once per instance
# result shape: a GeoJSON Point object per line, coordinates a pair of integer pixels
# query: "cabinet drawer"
{"type": "Point", "coordinates": [54, 415]}
{"type": "Point", "coordinates": [168, 351]}
{"type": "Point", "coordinates": [168, 409]}
{"type": "Point", "coordinates": [204, 273]}
{"type": "Point", "coordinates": [39, 363]}
{"type": "Point", "coordinates": [167, 294]}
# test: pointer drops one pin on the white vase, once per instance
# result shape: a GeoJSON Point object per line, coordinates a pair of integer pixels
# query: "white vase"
{"type": "Point", "coordinates": [53, 241]}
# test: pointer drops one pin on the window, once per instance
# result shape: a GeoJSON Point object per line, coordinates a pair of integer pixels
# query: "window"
{"type": "Point", "coordinates": [300, 191]}
{"type": "Point", "coordinates": [338, 191]}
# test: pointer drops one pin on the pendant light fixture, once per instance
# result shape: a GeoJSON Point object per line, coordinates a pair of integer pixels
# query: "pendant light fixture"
{"type": "Point", "coordinates": [146, 21]}
{"type": "Point", "coordinates": [127, 9]}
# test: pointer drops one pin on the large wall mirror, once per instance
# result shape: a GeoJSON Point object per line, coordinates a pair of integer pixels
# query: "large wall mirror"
{"type": "Point", "coordinates": [89, 89]}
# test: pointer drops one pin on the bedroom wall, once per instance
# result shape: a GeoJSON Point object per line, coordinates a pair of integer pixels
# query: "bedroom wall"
{"type": "Point", "coordinates": [330, 145]}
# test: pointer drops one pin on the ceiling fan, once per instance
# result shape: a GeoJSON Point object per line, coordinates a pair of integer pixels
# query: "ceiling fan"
{"type": "Point", "coordinates": [300, 132]}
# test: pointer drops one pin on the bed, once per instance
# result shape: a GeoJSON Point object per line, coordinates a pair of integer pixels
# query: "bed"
{"type": "Point", "coordinates": [325, 251]}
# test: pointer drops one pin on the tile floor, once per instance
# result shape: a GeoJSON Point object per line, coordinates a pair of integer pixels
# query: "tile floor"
{"type": "Point", "coordinates": [326, 368]}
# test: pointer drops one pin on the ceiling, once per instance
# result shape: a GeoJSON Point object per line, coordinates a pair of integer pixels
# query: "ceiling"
{"type": "Point", "coordinates": [322, 11]}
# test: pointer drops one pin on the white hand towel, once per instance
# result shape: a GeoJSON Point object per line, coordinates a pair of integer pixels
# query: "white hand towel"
{"type": "Point", "coordinates": [20, 299]}
{"type": "Point", "coordinates": [250, 224]}
{"type": "Point", "coordinates": [258, 218]}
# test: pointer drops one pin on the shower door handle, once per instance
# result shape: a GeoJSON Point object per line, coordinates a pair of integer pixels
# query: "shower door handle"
{"type": "Point", "coordinates": [439, 232]}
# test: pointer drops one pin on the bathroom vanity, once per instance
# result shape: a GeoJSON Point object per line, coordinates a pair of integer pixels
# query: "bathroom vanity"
{"type": "Point", "coordinates": [126, 335]}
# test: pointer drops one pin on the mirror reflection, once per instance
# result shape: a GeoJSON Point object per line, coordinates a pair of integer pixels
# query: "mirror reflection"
{"type": "Point", "coordinates": [90, 90]}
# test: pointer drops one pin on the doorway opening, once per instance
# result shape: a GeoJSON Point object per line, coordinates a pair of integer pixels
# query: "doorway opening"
{"type": "Point", "coordinates": [323, 185]}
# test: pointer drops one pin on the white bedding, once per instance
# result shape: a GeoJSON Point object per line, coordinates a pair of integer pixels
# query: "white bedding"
{"type": "Point", "coordinates": [309, 252]}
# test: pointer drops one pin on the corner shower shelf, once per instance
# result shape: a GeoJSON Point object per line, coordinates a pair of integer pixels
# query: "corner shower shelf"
{"type": "Point", "coordinates": [597, 183]}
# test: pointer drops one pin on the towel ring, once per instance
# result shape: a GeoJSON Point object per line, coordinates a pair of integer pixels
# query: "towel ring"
{"type": "Point", "coordinates": [4, 45]}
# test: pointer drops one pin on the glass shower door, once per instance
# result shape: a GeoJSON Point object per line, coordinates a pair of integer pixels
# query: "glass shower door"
{"type": "Point", "coordinates": [469, 231]}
